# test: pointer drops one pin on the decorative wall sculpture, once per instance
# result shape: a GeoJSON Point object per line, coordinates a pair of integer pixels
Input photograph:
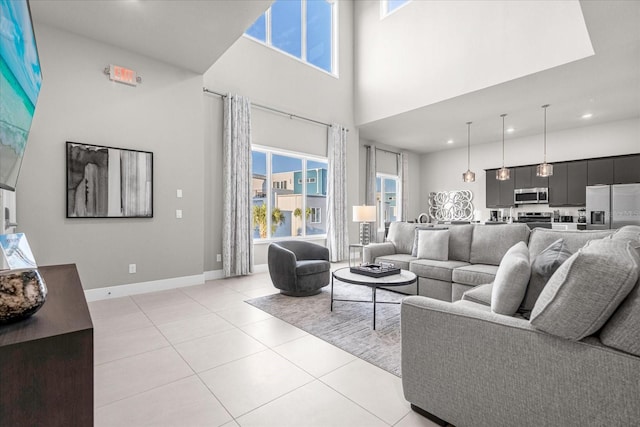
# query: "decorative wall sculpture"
{"type": "Point", "coordinates": [451, 205]}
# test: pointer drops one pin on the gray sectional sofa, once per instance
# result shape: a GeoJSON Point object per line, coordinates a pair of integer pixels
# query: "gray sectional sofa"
{"type": "Point", "coordinates": [576, 362]}
{"type": "Point", "coordinates": [475, 252]}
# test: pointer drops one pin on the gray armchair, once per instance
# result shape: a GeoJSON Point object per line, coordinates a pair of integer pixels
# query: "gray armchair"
{"type": "Point", "coordinates": [298, 268]}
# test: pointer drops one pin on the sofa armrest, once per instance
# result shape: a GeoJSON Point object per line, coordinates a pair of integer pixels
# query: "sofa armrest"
{"type": "Point", "coordinates": [374, 250]}
{"type": "Point", "coordinates": [470, 366]}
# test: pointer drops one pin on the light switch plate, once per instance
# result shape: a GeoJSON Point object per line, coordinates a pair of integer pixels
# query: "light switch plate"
{"type": "Point", "coordinates": [178, 213]}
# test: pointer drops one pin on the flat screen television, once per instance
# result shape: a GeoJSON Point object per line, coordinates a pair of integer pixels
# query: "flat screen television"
{"type": "Point", "coordinates": [20, 81]}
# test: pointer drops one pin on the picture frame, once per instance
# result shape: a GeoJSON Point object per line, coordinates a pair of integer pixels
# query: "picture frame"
{"type": "Point", "coordinates": [108, 182]}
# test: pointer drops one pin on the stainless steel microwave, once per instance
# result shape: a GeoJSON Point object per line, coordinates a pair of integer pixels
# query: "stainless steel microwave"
{"type": "Point", "coordinates": [525, 196]}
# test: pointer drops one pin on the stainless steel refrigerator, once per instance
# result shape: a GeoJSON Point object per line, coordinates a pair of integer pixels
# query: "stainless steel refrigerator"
{"type": "Point", "coordinates": [613, 206]}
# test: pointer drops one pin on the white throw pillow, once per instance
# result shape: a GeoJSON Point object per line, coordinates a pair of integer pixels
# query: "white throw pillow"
{"type": "Point", "coordinates": [433, 245]}
{"type": "Point", "coordinates": [511, 280]}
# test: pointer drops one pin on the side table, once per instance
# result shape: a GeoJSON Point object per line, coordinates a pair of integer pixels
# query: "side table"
{"type": "Point", "coordinates": [353, 249]}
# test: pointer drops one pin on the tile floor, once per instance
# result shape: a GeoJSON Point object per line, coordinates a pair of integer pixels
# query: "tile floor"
{"type": "Point", "coordinates": [201, 356]}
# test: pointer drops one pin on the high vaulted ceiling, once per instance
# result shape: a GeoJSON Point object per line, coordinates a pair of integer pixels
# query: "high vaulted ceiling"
{"type": "Point", "coordinates": [606, 85]}
{"type": "Point", "coordinates": [190, 34]}
{"type": "Point", "coordinates": [193, 34]}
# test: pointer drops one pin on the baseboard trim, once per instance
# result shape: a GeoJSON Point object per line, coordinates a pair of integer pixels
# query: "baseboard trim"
{"type": "Point", "coordinates": [143, 287]}
{"type": "Point", "coordinates": [261, 268]}
{"type": "Point", "coordinates": [213, 275]}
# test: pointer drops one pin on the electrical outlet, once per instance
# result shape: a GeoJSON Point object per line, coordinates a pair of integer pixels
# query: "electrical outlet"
{"type": "Point", "coordinates": [179, 193]}
{"type": "Point", "coordinates": [178, 213]}
{"type": "Point", "coordinates": [132, 268]}
{"type": "Point", "coordinates": [219, 258]}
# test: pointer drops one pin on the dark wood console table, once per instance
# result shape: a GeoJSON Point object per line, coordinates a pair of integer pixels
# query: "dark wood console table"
{"type": "Point", "coordinates": [46, 361]}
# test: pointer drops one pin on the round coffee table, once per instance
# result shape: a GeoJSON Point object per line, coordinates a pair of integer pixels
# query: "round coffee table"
{"type": "Point", "coordinates": [345, 275]}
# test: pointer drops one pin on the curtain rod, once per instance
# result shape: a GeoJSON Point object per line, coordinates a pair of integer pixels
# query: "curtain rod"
{"type": "Point", "coordinates": [382, 149]}
{"type": "Point", "coordinates": [264, 107]}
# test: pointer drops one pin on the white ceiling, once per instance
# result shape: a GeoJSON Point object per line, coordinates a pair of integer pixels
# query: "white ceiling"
{"type": "Point", "coordinates": [193, 34]}
{"type": "Point", "coordinates": [606, 84]}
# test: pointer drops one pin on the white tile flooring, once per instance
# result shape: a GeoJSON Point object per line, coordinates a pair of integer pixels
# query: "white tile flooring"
{"type": "Point", "coordinates": [201, 356]}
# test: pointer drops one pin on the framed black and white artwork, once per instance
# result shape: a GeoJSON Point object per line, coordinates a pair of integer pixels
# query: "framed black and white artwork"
{"type": "Point", "coordinates": [108, 182]}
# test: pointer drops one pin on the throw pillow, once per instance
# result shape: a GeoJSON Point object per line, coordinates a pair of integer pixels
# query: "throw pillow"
{"type": "Point", "coordinates": [414, 251]}
{"type": "Point", "coordinates": [542, 268]}
{"type": "Point", "coordinates": [511, 280]}
{"type": "Point", "coordinates": [433, 245]}
{"type": "Point", "coordinates": [586, 289]}
{"type": "Point", "coordinates": [622, 331]}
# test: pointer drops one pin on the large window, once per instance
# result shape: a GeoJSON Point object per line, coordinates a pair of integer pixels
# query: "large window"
{"type": "Point", "coordinates": [305, 29]}
{"type": "Point", "coordinates": [386, 195]}
{"type": "Point", "coordinates": [289, 194]}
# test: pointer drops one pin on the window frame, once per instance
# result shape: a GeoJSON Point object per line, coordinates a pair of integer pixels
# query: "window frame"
{"type": "Point", "coordinates": [304, 157]}
{"type": "Point", "coordinates": [303, 34]}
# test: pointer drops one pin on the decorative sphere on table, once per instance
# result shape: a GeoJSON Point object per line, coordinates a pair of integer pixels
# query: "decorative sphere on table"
{"type": "Point", "coordinates": [22, 293]}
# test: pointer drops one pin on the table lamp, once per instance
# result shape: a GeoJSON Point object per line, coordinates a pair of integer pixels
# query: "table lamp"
{"type": "Point", "coordinates": [364, 215]}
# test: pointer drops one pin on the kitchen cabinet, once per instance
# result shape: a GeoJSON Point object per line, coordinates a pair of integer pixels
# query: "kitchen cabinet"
{"type": "Point", "coordinates": [577, 183]}
{"type": "Point", "coordinates": [600, 171]}
{"type": "Point", "coordinates": [567, 184]}
{"type": "Point", "coordinates": [626, 169]}
{"type": "Point", "coordinates": [499, 194]}
{"type": "Point", "coordinates": [525, 177]}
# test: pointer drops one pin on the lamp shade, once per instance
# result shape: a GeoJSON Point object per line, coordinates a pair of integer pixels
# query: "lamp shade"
{"type": "Point", "coordinates": [364, 213]}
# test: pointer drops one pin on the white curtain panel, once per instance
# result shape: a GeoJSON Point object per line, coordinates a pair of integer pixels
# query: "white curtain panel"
{"type": "Point", "coordinates": [237, 233]}
{"type": "Point", "coordinates": [337, 234]}
{"type": "Point", "coordinates": [370, 189]}
{"type": "Point", "coordinates": [403, 172]}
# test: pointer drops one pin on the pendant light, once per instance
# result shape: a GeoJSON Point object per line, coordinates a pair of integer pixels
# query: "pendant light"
{"type": "Point", "coordinates": [544, 168]}
{"type": "Point", "coordinates": [469, 176]}
{"type": "Point", "coordinates": [503, 173]}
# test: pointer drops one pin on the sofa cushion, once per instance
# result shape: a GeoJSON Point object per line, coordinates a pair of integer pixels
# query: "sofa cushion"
{"type": "Point", "coordinates": [433, 245]}
{"type": "Point", "coordinates": [511, 280]}
{"type": "Point", "coordinates": [542, 268]}
{"type": "Point", "coordinates": [475, 274]}
{"type": "Point", "coordinates": [541, 238]}
{"type": "Point", "coordinates": [622, 330]}
{"type": "Point", "coordinates": [491, 242]}
{"type": "Point", "coordinates": [439, 270]}
{"type": "Point", "coordinates": [399, 260]}
{"type": "Point", "coordinates": [305, 268]}
{"type": "Point", "coordinates": [628, 232]}
{"type": "Point", "coordinates": [480, 294]}
{"type": "Point", "coordinates": [586, 289]}
{"type": "Point", "coordinates": [401, 234]}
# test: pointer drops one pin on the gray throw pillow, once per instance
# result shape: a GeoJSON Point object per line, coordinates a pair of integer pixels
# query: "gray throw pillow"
{"type": "Point", "coordinates": [586, 289]}
{"type": "Point", "coordinates": [622, 331]}
{"type": "Point", "coordinates": [542, 268]}
{"type": "Point", "coordinates": [511, 280]}
{"type": "Point", "coordinates": [433, 245]}
{"type": "Point", "coordinates": [414, 251]}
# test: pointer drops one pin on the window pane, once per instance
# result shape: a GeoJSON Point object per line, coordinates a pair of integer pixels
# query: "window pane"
{"type": "Point", "coordinates": [259, 29]}
{"type": "Point", "coordinates": [286, 215]}
{"type": "Point", "coordinates": [259, 194]}
{"type": "Point", "coordinates": [286, 31]}
{"type": "Point", "coordinates": [316, 182]}
{"type": "Point", "coordinates": [394, 4]}
{"type": "Point", "coordinates": [389, 201]}
{"type": "Point", "coordinates": [319, 33]}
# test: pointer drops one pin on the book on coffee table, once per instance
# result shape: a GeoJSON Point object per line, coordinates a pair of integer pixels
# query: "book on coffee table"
{"type": "Point", "coordinates": [375, 270]}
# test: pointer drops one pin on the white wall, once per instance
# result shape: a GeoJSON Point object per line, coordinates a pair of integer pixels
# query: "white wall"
{"type": "Point", "coordinates": [429, 51]}
{"type": "Point", "coordinates": [164, 115]}
{"type": "Point", "coordinates": [442, 171]}
{"type": "Point", "coordinates": [271, 78]}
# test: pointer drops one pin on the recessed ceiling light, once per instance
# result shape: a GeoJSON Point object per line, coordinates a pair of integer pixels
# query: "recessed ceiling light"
{"type": "Point", "coordinates": [587, 116]}
{"type": "Point", "coordinates": [450, 141]}
{"type": "Point", "coordinates": [511, 130]}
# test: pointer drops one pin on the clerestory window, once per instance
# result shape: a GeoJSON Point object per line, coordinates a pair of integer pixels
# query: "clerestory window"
{"type": "Point", "coordinates": [304, 29]}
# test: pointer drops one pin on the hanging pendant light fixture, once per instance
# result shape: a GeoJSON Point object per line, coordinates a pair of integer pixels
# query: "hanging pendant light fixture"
{"type": "Point", "coordinates": [544, 168]}
{"type": "Point", "coordinates": [503, 173]}
{"type": "Point", "coordinates": [469, 176]}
